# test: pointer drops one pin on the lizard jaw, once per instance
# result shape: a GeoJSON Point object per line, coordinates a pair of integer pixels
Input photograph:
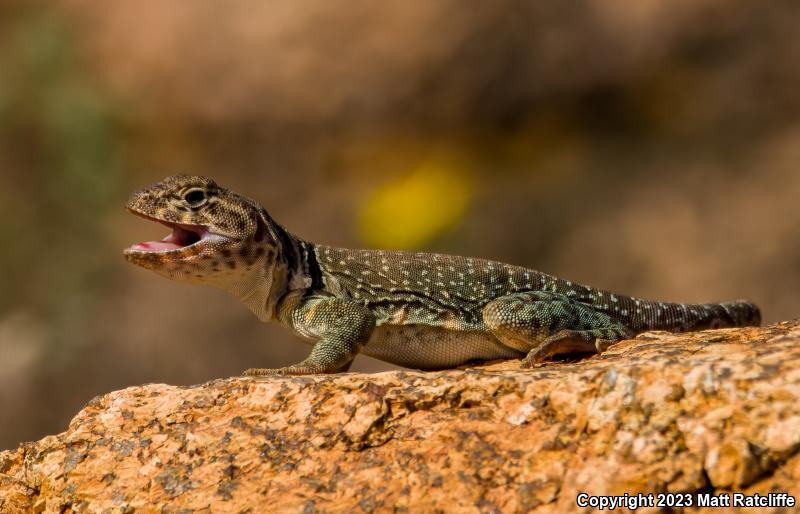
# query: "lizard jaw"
{"type": "Point", "coordinates": [182, 236]}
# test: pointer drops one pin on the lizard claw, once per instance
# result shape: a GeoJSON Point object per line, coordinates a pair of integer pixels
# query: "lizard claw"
{"type": "Point", "coordinates": [561, 343]}
{"type": "Point", "coordinates": [260, 372]}
{"type": "Point", "coordinates": [530, 362]}
{"type": "Point", "coordinates": [285, 371]}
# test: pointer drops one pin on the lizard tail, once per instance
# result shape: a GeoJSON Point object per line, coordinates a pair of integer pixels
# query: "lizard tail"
{"type": "Point", "coordinates": [737, 313]}
{"type": "Point", "coordinates": [684, 317]}
{"type": "Point", "coordinates": [741, 313]}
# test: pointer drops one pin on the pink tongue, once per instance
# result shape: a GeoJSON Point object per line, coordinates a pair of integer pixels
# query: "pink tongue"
{"type": "Point", "coordinates": [155, 246]}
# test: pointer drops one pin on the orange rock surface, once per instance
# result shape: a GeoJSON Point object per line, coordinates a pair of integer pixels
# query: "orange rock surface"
{"type": "Point", "coordinates": [709, 412]}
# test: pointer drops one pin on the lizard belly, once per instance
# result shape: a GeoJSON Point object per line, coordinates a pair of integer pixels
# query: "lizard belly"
{"type": "Point", "coordinates": [426, 347]}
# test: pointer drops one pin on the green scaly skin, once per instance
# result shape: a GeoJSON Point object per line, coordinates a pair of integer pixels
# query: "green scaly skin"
{"type": "Point", "coordinates": [419, 310]}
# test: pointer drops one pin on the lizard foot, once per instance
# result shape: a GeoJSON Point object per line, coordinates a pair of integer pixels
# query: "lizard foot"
{"type": "Point", "coordinates": [289, 370]}
{"type": "Point", "coordinates": [295, 369]}
{"type": "Point", "coordinates": [259, 372]}
{"type": "Point", "coordinates": [565, 342]}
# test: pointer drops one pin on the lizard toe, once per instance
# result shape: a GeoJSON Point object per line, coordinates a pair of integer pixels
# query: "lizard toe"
{"type": "Point", "coordinates": [260, 372]}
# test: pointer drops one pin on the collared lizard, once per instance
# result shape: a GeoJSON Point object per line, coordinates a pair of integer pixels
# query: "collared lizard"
{"type": "Point", "coordinates": [419, 310]}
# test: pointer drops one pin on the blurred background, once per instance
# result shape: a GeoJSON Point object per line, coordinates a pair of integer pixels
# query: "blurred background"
{"type": "Point", "coordinates": [650, 148]}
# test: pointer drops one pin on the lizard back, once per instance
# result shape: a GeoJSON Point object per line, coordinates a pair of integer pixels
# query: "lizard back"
{"type": "Point", "coordinates": [450, 291]}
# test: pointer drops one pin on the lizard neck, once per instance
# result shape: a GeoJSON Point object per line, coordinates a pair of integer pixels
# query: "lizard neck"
{"type": "Point", "coordinates": [294, 269]}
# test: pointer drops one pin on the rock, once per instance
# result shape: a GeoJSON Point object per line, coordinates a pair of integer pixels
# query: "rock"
{"type": "Point", "coordinates": [708, 412]}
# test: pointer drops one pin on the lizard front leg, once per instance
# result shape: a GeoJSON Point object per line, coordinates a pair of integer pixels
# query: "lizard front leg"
{"type": "Point", "coordinates": [341, 328]}
{"type": "Point", "coordinates": [544, 324]}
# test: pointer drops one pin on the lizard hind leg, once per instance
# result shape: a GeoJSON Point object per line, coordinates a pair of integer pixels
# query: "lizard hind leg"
{"type": "Point", "coordinates": [545, 324]}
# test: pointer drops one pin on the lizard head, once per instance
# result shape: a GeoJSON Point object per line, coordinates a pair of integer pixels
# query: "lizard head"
{"type": "Point", "coordinates": [217, 237]}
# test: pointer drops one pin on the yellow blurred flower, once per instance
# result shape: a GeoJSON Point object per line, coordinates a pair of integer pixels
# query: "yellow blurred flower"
{"type": "Point", "coordinates": [414, 209]}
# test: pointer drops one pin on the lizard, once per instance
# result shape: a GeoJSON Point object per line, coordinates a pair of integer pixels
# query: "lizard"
{"type": "Point", "coordinates": [418, 310]}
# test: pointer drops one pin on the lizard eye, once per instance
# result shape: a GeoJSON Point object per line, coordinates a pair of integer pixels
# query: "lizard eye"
{"type": "Point", "coordinates": [195, 197]}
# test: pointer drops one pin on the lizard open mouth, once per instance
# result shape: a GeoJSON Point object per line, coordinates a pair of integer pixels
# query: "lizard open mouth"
{"type": "Point", "coordinates": [181, 237]}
